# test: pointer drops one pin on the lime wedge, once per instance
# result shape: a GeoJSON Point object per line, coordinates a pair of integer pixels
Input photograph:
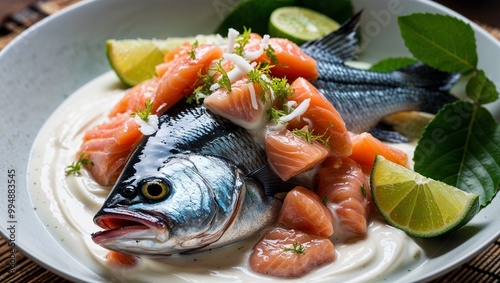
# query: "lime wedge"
{"type": "Point", "coordinates": [420, 206]}
{"type": "Point", "coordinates": [134, 60]}
{"type": "Point", "coordinates": [300, 24]}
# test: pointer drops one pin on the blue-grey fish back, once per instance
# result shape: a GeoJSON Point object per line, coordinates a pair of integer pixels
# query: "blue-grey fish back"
{"type": "Point", "coordinates": [416, 75]}
{"type": "Point", "coordinates": [189, 128]}
{"type": "Point", "coordinates": [362, 106]}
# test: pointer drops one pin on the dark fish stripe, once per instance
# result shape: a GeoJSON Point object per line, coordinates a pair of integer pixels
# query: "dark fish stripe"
{"type": "Point", "coordinates": [417, 75]}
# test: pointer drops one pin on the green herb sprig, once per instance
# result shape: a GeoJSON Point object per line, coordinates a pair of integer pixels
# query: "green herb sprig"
{"type": "Point", "coordinates": [275, 114]}
{"type": "Point", "coordinates": [309, 136]}
{"type": "Point", "coordinates": [143, 114]}
{"type": "Point", "coordinates": [282, 89]}
{"type": "Point", "coordinates": [363, 190]}
{"type": "Point", "coordinates": [205, 81]}
{"type": "Point", "coordinates": [224, 81]}
{"type": "Point", "coordinates": [279, 87]}
{"type": "Point", "coordinates": [296, 248]}
{"type": "Point", "coordinates": [241, 41]}
{"type": "Point", "coordinates": [324, 200]}
{"type": "Point", "coordinates": [192, 52]}
{"type": "Point", "coordinates": [273, 59]}
{"type": "Point", "coordinates": [75, 167]}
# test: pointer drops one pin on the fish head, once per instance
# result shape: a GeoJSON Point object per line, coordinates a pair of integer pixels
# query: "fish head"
{"type": "Point", "coordinates": [184, 205]}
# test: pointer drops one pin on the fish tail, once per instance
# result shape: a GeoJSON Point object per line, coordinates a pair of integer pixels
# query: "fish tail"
{"type": "Point", "coordinates": [435, 101]}
{"type": "Point", "coordinates": [422, 75]}
{"type": "Point", "coordinates": [342, 43]}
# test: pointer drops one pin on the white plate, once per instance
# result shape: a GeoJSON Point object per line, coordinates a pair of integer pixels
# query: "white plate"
{"type": "Point", "coordinates": [47, 63]}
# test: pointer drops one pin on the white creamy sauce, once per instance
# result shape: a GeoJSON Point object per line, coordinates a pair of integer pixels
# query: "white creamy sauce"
{"type": "Point", "coordinates": [67, 205]}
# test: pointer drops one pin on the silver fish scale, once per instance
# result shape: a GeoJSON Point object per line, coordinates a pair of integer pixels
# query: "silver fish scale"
{"type": "Point", "coordinates": [363, 106]}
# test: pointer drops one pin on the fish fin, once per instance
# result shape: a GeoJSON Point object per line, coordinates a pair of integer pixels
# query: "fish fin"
{"type": "Point", "coordinates": [386, 133]}
{"type": "Point", "coordinates": [428, 77]}
{"type": "Point", "coordinates": [274, 185]}
{"type": "Point", "coordinates": [341, 43]}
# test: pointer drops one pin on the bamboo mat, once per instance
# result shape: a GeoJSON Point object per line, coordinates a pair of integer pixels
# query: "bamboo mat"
{"type": "Point", "coordinates": [485, 267]}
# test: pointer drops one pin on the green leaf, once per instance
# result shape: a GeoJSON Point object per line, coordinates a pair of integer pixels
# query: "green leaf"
{"type": "Point", "coordinates": [481, 89]}
{"type": "Point", "coordinates": [460, 147]}
{"type": "Point", "coordinates": [392, 64]}
{"type": "Point", "coordinates": [440, 41]}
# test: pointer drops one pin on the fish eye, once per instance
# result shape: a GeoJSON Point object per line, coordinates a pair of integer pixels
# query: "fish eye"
{"type": "Point", "coordinates": [155, 189]}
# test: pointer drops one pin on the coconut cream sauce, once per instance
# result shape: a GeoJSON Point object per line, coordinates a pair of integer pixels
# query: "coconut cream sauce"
{"type": "Point", "coordinates": [67, 205]}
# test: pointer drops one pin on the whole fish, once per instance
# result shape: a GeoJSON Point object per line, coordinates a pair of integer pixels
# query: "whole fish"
{"type": "Point", "coordinates": [188, 187]}
{"type": "Point", "coordinates": [201, 182]}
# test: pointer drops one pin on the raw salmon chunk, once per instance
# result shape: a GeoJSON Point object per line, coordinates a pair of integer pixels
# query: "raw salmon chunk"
{"type": "Point", "coordinates": [365, 147]}
{"type": "Point", "coordinates": [121, 260]}
{"type": "Point", "coordinates": [346, 190]}
{"type": "Point", "coordinates": [182, 50]}
{"type": "Point", "coordinates": [108, 146]}
{"type": "Point", "coordinates": [303, 210]}
{"type": "Point", "coordinates": [135, 98]}
{"type": "Point", "coordinates": [242, 106]}
{"type": "Point", "coordinates": [292, 61]}
{"type": "Point", "coordinates": [322, 117]}
{"type": "Point", "coordinates": [182, 76]}
{"type": "Point", "coordinates": [290, 253]}
{"type": "Point", "coordinates": [290, 155]}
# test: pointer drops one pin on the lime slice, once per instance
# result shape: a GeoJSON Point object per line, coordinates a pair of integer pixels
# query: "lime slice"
{"type": "Point", "coordinates": [250, 14]}
{"type": "Point", "coordinates": [134, 60]}
{"type": "Point", "coordinates": [300, 24]}
{"type": "Point", "coordinates": [420, 206]}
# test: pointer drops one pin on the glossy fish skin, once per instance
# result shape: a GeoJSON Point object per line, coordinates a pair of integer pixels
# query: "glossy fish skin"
{"type": "Point", "coordinates": [363, 106]}
{"type": "Point", "coordinates": [415, 88]}
{"type": "Point", "coordinates": [193, 129]}
{"type": "Point", "coordinates": [194, 154]}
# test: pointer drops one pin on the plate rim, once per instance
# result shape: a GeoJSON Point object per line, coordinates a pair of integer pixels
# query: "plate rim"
{"type": "Point", "coordinates": [24, 248]}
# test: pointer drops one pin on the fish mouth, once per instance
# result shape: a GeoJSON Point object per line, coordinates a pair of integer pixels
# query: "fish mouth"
{"type": "Point", "coordinates": [120, 225]}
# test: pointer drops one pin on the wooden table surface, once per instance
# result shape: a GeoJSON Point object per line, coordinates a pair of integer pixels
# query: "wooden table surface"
{"type": "Point", "coordinates": [485, 267]}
